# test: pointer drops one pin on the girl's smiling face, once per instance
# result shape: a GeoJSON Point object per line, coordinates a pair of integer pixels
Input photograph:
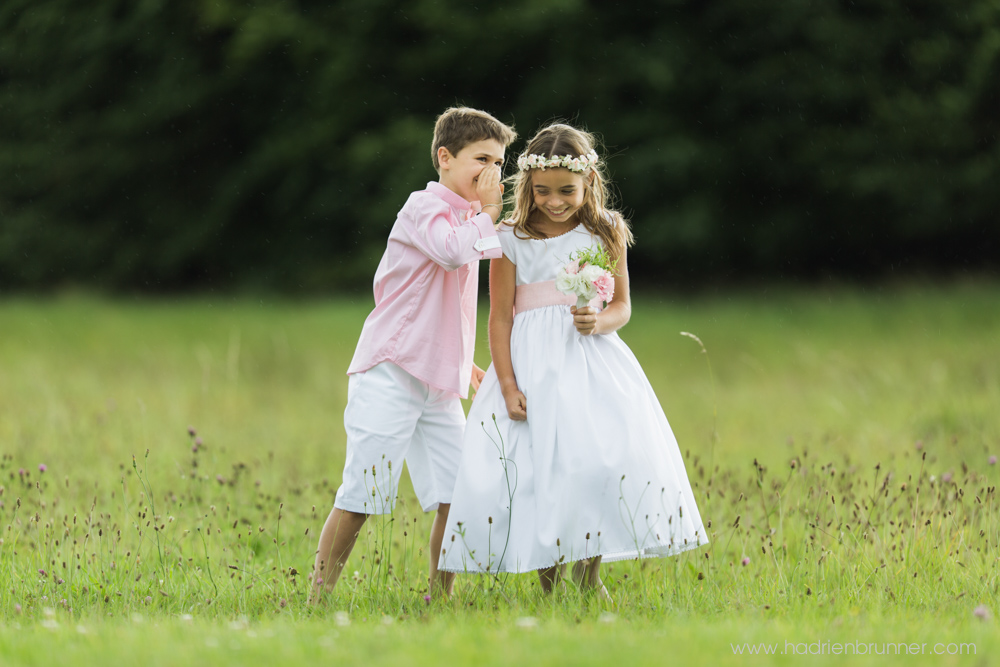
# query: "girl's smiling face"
{"type": "Point", "coordinates": [558, 194]}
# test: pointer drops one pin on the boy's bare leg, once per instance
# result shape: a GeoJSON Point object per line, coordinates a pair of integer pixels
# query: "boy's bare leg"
{"type": "Point", "coordinates": [443, 581]}
{"type": "Point", "coordinates": [340, 532]}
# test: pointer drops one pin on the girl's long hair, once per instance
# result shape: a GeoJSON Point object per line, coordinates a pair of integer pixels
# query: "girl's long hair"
{"type": "Point", "coordinates": [605, 223]}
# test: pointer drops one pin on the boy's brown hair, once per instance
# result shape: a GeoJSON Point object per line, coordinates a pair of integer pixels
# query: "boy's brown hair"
{"type": "Point", "coordinates": [458, 127]}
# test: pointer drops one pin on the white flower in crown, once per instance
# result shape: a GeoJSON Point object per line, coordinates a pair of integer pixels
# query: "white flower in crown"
{"type": "Point", "coordinates": [577, 164]}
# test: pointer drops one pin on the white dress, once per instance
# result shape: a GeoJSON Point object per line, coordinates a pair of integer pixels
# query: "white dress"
{"type": "Point", "coordinates": [595, 469]}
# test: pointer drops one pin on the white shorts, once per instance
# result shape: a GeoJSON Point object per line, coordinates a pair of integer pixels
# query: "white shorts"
{"type": "Point", "coordinates": [392, 416]}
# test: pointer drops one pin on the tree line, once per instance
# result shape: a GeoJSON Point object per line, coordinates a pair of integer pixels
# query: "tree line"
{"type": "Point", "coordinates": [154, 146]}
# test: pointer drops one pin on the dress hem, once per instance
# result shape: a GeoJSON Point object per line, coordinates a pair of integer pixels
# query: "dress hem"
{"type": "Point", "coordinates": [651, 552]}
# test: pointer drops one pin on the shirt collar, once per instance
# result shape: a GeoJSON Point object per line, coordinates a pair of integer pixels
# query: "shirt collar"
{"type": "Point", "coordinates": [449, 196]}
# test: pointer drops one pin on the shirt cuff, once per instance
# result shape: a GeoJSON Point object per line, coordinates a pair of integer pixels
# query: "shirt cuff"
{"type": "Point", "coordinates": [489, 244]}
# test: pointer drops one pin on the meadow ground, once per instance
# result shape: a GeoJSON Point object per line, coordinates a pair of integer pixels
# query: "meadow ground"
{"type": "Point", "coordinates": [840, 442]}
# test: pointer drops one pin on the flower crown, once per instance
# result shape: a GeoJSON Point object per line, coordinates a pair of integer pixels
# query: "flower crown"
{"type": "Point", "coordinates": [578, 164]}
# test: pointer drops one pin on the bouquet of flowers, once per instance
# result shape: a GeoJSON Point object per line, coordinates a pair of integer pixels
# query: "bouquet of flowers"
{"type": "Point", "coordinates": [589, 273]}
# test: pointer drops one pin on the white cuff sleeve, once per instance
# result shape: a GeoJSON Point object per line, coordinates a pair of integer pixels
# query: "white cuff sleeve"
{"type": "Point", "coordinates": [489, 243]}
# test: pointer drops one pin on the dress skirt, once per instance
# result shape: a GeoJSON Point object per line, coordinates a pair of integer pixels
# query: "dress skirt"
{"type": "Point", "coordinates": [595, 469]}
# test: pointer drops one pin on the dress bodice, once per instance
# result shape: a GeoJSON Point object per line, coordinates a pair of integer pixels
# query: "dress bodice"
{"type": "Point", "coordinates": [538, 260]}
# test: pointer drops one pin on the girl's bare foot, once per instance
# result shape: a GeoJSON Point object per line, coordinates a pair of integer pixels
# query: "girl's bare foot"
{"type": "Point", "coordinates": [550, 577]}
{"type": "Point", "coordinates": [587, 575]}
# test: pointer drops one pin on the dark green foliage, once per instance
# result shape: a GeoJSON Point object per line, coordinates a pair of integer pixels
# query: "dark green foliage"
{"type": "Point", "coordinates": [158, 145]}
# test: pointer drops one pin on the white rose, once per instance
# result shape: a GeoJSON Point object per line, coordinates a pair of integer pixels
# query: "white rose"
{"type": "Point", "coordinates": [590, 273]}
{"type": "Point", "coordinates": [587, 276]}
{"type": "Point", "coordinates": [568, 284]}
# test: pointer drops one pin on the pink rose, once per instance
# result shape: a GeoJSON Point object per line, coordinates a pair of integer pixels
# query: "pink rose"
{"type": "Point", "coordinates": [605, 286]}
{"type": "Point", "coordinates": [572, 268]}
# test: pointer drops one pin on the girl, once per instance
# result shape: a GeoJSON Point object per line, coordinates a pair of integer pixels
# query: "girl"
{"type": "Point", "coordinates": [567, 457]}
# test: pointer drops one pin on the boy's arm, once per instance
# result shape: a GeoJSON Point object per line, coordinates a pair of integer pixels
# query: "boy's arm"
{"type": "Point", "coordinates": [452, 247]}
{"type": "Point", "coordinates": [502, 286]}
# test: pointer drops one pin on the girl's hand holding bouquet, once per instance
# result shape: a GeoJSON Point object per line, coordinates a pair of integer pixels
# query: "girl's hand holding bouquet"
{"type": "Point", "coordinates": [588, 275]}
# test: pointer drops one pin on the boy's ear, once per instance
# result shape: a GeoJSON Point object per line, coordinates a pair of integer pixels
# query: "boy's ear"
{"type": "Point", "coordinates": [444, 157]}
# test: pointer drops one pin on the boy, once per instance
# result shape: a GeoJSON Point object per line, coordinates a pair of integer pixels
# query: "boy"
{"type": "Point", "coordinates": [413, 361]}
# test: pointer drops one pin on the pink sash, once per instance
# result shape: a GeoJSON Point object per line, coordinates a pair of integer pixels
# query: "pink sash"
{"type": "Point", "coordinates": [539, 295]}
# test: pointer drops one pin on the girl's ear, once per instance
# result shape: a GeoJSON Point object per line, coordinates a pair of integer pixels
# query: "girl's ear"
{"type": "Point", "coordinates": [444, 157]}
{"type": "Point", "coordinates": [590, 178]}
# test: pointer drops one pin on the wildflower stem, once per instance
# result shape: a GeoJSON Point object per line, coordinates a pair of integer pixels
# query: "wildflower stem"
{"type": "Point", "coordinates": [715, 408]}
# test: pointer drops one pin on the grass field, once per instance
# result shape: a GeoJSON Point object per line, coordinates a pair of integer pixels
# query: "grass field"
{"type": "Point", "coordinates": [840, 446]}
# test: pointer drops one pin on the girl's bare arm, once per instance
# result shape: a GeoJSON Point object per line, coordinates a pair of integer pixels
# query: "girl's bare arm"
{"type": "Point", "coordinates": [502, 286]}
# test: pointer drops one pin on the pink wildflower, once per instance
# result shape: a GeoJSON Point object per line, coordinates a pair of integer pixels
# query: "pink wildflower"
{"type": "Point", "coordinates": [42, 467]}
{"type": "Point", "coordinates": [745, 561]}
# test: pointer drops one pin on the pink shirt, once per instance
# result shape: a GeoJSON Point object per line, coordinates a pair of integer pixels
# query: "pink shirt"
{"type": "Point", "coordinates": [425, 290]}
